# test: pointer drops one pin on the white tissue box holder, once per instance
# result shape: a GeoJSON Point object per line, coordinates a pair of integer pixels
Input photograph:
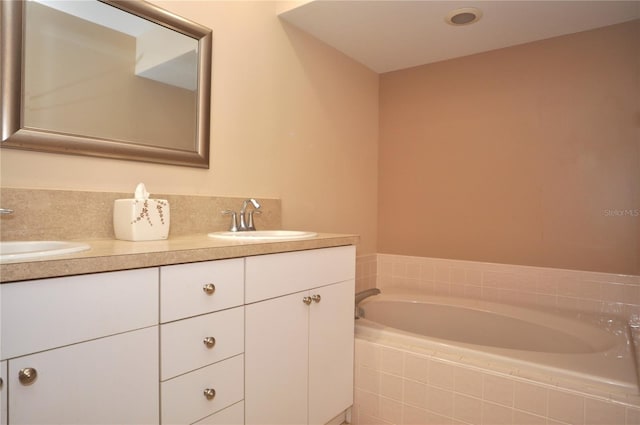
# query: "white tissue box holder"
{"type": "Point", "coordinates": [141, 219]}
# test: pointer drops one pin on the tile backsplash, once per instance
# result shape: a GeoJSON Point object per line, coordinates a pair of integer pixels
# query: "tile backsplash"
{"type": "Point", "coordinates": [64, 214]}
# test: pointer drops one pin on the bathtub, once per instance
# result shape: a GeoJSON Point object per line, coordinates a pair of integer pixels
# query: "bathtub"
{"type": "Point", "coordinates": [572, 350]}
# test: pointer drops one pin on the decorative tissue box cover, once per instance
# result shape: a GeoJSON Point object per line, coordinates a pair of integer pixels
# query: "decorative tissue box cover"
{"type": "Point", "coordinates": [141, 219]}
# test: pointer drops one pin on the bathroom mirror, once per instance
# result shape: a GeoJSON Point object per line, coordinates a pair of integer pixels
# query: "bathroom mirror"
{"type": "Point", "coordinates": [111, 78]}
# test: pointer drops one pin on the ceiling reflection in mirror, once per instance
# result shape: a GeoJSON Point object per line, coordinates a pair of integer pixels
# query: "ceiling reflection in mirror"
{"type": "Point", "coordinates": [108, 74]}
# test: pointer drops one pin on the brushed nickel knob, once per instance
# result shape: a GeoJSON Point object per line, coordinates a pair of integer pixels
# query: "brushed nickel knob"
{"type": "Point", "coordinates": [209, 288]}
{"type": "Point", "coordinates": [209, 341]}
{"type": "Point", "coordinates": [27, 376]}
{"type": "Point", "coordinates": [210, 393]}
{"type": "Point", "coordinates": [316, 298]}
{"type": "Point", "coordinates": [306, 300]}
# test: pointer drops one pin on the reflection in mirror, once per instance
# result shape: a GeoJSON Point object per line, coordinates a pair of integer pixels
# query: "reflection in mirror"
{"type": "Point", "coordinates": [100, 80]}
{"type": "Point", "coordinates": [111, 72]}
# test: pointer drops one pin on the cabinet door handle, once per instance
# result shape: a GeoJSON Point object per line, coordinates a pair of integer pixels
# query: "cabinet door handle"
{"type": "Point", "coordinates": [1, 383]}
{"type": "Point", "coordinates": [306, 300]}
{"type": "Point", "coordinates": [209, 341]}
{"type": "Point", "coordinates": [316, 298]}
{"type": "Point", "coordinates": [27, 376]}
{"type": "Point", "coordinates": [210, 393]}
{"type": "Point", "coordinates": [209, 288]}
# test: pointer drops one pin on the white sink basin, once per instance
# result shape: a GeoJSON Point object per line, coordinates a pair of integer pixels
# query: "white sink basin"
{"type": "Point", "coordinates": [256, 235]}
{"type": "Point", "coordinates": [25, 250]}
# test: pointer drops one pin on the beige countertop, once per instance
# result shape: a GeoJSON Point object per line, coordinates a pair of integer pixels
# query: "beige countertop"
{"type": "Point", "coordinates": [111, 255]}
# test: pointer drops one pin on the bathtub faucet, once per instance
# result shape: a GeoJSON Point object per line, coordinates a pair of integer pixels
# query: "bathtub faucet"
{"type": "Point", "coordinates": [360, 296]}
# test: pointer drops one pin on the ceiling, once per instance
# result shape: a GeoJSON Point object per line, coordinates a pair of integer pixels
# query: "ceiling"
{"type": "Point", "coordinates": [161, 54]}
{"type": "Point", "coordinates": [391, 35]}
{"type": "Point", "coordinates": [102, 14]}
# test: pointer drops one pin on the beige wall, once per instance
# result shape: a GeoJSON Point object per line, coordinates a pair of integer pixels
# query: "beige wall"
{"type": "Point", "coordinates": [522, 155]}
{"type": "Point", "coordinates": [509, 156]}
{"type": "Point", "coordinates": [291, 119]}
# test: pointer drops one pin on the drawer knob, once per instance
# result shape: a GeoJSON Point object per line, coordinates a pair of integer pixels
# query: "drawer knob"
{"type": "Point", "coordinates": [209, 393]}
{"type": "Point", "coordinates": [209, 341]}
{"type": "Point", "coordinates": [209, 288]}
{"type": "Point", "coordinates": [316, 298]}
{"type": "Point", "coordinates": [27, 376]}
{"type": "Point", "coordinates": [307, 300]}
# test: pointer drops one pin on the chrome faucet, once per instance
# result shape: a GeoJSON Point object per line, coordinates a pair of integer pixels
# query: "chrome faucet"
{"type": "Point", "coordinates": [6, 211]}
{"type": "Point", "coordinates": [360, 296]}
{"type": "Point", "coordinates": [244, 225]}
{"type": "Point", "coordinates": [246, 217]}
{"type": "Point", "coordinates": [234, 220]}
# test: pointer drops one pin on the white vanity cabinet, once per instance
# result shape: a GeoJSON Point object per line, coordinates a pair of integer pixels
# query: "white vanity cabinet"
{"type": "Point", "coordinates": [82, 349]}
{"type": "Point", "coordinates": [202, 342]}
{"type": "Point", "coordinates": [299, 336]}
{"type": "Point", "coordinates": [266, 339]}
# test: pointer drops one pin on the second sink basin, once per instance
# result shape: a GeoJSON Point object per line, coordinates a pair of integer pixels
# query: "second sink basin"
{"type": "Point", "coordinates": [264, 235]}
{"type": "Point", "coordinates": [25, 250]}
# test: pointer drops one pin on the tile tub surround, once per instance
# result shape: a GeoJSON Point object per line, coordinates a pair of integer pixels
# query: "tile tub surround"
{"type": "Point", "coordinates": [366, 272]}
{"type": "Point", "coordinates": [64, 214]}
{"type": "Point", "coordinates": [396, 386]}
{"type": "Point", "coordinates": [523, 285]}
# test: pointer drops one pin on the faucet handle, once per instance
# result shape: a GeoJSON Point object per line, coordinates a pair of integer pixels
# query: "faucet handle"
{"type": "Point", "coordinates": [250, 225]}
{"type": "Point", "coordinates": [234, 220]}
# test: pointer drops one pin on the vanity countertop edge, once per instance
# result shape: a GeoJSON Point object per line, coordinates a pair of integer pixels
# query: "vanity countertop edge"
{"type": "Point", "coordinates": [108, 255]}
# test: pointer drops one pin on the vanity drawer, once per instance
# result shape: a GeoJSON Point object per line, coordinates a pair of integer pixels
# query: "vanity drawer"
{"type": "Point", "coordinates": [182, 288]}
{"type": "Point", "coordinates": [232, 415]}
{"type": "Point", "coordinates": [273, 275]}
{"type": "Point", "coordinates": [183, 399]}
{"type": "Point", "coordinates": [43, 314]}
{"type": "Point", "coordinates": [183, 346]}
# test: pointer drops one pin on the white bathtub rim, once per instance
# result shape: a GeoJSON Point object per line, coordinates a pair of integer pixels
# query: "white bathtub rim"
{"type": "Point", "coordinates": [499, 358]}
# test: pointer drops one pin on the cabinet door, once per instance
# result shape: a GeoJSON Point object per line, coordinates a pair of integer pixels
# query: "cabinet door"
{"type": "Point", "coordinates": [112, 380]}
{"type": "Point", "coordinates": [331, 329]}
{"type": "Point", "coordinates": [276, 351]}
{"type": "Point", "coordinates": [3, 393]}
